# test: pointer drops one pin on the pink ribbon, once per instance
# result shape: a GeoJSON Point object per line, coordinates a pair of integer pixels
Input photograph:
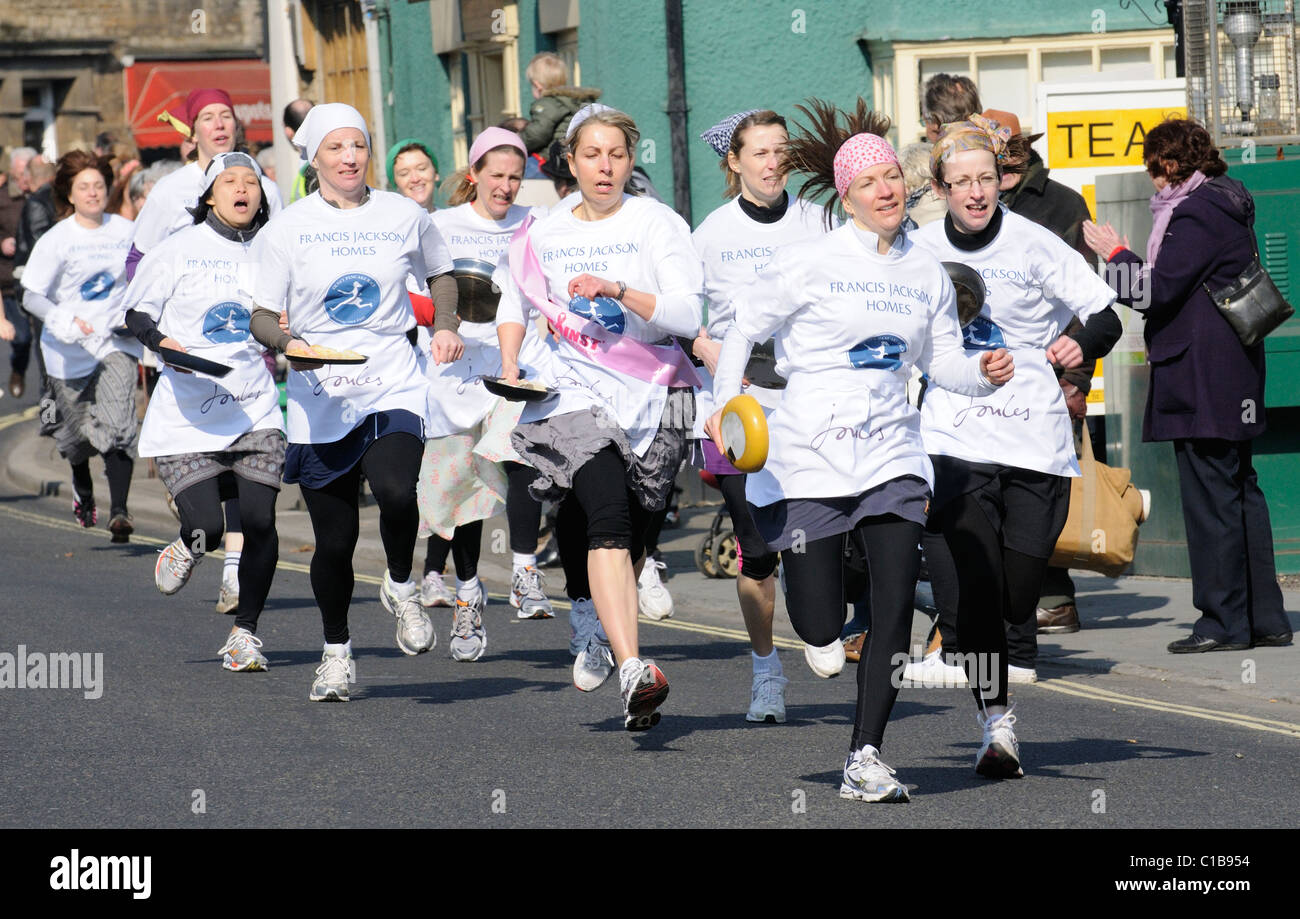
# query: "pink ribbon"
{"type": "Point", "coordinates": [666, 365]}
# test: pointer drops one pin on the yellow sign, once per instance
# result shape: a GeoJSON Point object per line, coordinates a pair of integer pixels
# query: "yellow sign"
{"type": "Point", "coordinates": [1078, 140]}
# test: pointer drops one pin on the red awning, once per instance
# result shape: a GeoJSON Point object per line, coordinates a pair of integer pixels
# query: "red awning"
{"type": "Point", "coordinates": [153, 86]}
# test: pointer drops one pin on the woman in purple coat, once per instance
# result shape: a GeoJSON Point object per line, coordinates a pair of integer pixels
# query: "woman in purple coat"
{"type": "Point", "coordinates": [1206, 390]}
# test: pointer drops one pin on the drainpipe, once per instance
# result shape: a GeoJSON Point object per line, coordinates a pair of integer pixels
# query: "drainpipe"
{"type": "Point", "coordinates": [677, 109]}
{"type": "Point", "coordinates": [375, 73]}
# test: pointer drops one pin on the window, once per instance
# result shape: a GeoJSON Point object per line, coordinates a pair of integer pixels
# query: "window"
{"type": "Point", "coordinates": [566, 46]}
{"type": "Point", "coordinates": [38, 118]}
{"type": "Point", "coordinates": [1007, 71]}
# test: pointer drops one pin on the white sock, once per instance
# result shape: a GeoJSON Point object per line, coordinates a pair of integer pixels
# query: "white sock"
{"type": "Point", "coordinates": [343, 650]}
{"type": "Point", "coordinates": [770, 664]}
{"type": "Point", "coordinates": [627, 668]}
{"type": "Point", "coordinates": [525, 561]}
{"type": "Point", "coordinates": [468, 590]}
{"type": "Point", "coordinates": [230, 570]}
{"type": "Point", "coordinates": [404, 589]}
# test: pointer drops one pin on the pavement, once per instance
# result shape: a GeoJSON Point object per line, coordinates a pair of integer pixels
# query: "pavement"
{"type": "Point", "coordinates": [1126, 622]}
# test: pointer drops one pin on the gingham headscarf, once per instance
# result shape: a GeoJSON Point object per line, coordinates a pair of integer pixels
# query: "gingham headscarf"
{"type": "Point", "coordinates": [719, 136]}
{"type": "Point", "coordinates": [858, 154]}
{"type": "Point", "coordinates": [975, 133]}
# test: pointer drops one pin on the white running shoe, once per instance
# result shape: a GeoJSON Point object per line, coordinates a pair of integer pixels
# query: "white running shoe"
{"type": "Point", "coordinates": [932, 672]}
{"type": "Point", "coordinates": [767, 698]}
{"type": "Point", "coordinates": [228, 597]}
{"type": "Point", "coordinates": [825, 662]}
{"type": "Point", "coordinates": [468, 638]}
{"type": "Point", "coordinates": [527, 595]}
{"type": "Point", "coordinates": [999, 756]}
{"type": "Point", "coordinates": [435, 592]}
{"type": "Point", "coordinates": [240, 651]}
{"type": "Point", "coordinates": [593, 665]}
{"type": "Point", "coordinates": [175, 565]}
{"type": "Point", "coordinates": [643, 687]}
{"type": "Point", "coordinates": [1021, 674]}
{"type": "Point", "coordinates": [866, 778]}
{"type": "Point", "coordinates": [333, 675]}
{"type": "Point", "coordinates": [652, 597]}
{"type": "Point", "coordinates": [415, 633]}
{"type": "Point", "coordinates": [582, 624]}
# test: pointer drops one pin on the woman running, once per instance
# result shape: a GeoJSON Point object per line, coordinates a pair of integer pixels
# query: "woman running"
{"type": "Point", "coordinates": [338, 261]}
{"type": "Point", "coordinates": [851, 313]}
{"type": "Point", "coordinates": [462, 479]}
{"type": "Point", "coordinates": [74, 282]}
{"type": "Point", "coordinates": [736, 242]}
{"type": "Point", "coordinates": [616, 276]}
{"type": "Point", "coordinates": [999, 521]}
{"type": "Point", "coordinates": [211, 437]}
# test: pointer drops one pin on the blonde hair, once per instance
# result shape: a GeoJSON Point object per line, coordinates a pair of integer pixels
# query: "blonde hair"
{"type": "Point", "coordinates": [548, 69]}
{"type": "Point", "coordinates": [463, 190]}
{"type": "Point", "coordinates": [610, 118]}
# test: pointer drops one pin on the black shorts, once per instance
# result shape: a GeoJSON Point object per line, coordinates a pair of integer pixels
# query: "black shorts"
{"type": "Point", "coordinates": [1028, 508]}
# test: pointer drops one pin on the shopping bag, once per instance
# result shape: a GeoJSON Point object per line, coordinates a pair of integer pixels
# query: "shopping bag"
{"type": "Point", "coordinates": [1101, 531]}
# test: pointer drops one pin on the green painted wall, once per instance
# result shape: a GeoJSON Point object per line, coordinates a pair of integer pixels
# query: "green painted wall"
{"type": "Point", "coordinates": [416, 88]}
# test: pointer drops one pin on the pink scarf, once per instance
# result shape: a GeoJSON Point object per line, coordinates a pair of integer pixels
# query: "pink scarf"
{"type": "Point", "coordinates": [1163, 203]}
{"type": "Point", "coordinates": [663, 364]}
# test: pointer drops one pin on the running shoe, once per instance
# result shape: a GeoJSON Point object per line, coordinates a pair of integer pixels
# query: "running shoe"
{"type": "Point", "coordinates": [435, 592]}
{"type": "Point", "coordinates": [1021, 674]}
{"type": "Point", "coordinates": [120, 526]}
{"type": "Point", "coordinates": [866, 778]}
{"type": "Point", "coordinates": [415, 632]}
{"type": "Point", "coordinates": [932, 672]}
{"type": "Point", "coordinates": [333, 675]}
{"type": "Point", "coordinates": [241, 651]}
{"type": "Point", "coordinates": [825, 662]}
{"type": "Point", "coordinates": [767, 699]}
{"type": "Point", "coordinates": [644, 688]}
{"type": "Point", "coordinates": [593, 665]}
{"type": "Point", "coordinates": [582, 624]}
{"type": "Point", "coordinates": [468, 639]}
{"type": "Point", "coordinates": [999, 756]}
{"type": "Point", "coordinates": [228, 597]}
{"type": "Point", "coordinates": [527, 596]}
{"type": "Point", "coordinates": [175, 564]}
{"type": "Point", "coordinates": [652, 598]}
{"type": "Point", "coordinates": [85, 511]}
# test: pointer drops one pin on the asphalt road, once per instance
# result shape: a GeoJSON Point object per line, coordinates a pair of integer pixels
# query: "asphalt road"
{"type": "Point", "coordinates": [175, 741]}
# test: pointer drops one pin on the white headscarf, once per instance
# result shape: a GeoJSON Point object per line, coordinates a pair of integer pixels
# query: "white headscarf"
{"type": "Point", "coordinates": [324, 118]}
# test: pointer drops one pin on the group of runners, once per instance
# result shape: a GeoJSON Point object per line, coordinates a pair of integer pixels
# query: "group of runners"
{"type": "Point", "coordinates": [637, 332]}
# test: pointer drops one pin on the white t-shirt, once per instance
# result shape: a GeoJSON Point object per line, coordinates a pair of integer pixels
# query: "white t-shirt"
{"type": "Point", "coordinates": [342, 276]}
{"type": "Point", "coordinates": [647, 246]}
{"type": "Point", "coordinates": [1035, 284]}
{"type": "Point", "coordinates": [84, 273]}
{"type": "Point", "coordinates": [735, 248]}
{"type": "Point", "coordinates": [194, 285]}
{"type": "Point", "coordinates": [849, 325]}
{"type": "Point", "coordinates": [165, 210]}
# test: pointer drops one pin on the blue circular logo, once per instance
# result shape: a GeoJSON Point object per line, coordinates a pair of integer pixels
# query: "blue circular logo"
{"type": "Point", "coordinates": [226, 322]}
{"type": "Point", "coordinates": [879, 352]}
{"type": "Point", "coordinates": [982, 334]}
{"type": "Point", "coordinates": [352, 299]}
{"type": "Point", "coordinates": [602, 311]}
{"type": "Point", "coordinates": [98, 287]}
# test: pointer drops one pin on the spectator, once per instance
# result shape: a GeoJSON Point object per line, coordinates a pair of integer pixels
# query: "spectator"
{"type": "Point", "coordinates": [19, 157]}
{"type": "Point", "coordinates": [13, 324]}
{"type": "Point", "coordinates": [923, 204]}
{"type": "Point", "coordinates": [947, 99]}
{"type": "Point", "coordinates": [305, 182]}
{"type": "Point", "coordinates": [556, 101]}
{"type": "Point", "coordinates": [1206, 390]}
{"type": "Point", "coordinates": [266, 159]}
{"type": "Point", "coordinates": [37, 217]}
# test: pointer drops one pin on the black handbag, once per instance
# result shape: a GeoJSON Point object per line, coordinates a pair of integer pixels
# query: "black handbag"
{"type": "Point", "coordinates": [1252, 304]}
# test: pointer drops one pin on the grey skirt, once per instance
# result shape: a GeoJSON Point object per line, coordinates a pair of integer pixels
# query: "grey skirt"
{"type": "Point", "coordinates": [557, 447]}
{"type": "Point", "coordinates": [257, 456]}
{"type": "Point", "coordinates": [97, 413]}
{"type": "Point", "coordinates": [782, 523]}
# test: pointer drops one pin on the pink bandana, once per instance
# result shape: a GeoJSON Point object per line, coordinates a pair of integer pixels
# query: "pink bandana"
{"type": "Point", "coordinates": [858, 154]}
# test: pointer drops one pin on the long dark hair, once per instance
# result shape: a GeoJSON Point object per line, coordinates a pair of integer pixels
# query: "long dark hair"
{"type": "Point", "coordinates": [72, 164]}
{"type": "Point", "coordinates": [812, 150]}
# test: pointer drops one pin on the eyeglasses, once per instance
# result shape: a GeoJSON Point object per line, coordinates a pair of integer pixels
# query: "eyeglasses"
{"type": "Point", "coordinates": [963, 185]}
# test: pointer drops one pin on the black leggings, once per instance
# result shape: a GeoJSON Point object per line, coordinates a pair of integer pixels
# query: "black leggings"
{"type": "Point", "coordinates": [972, 573]}
{"type": "Point", "coordinates": [816, 602]}
{"type": "Point", "coordinates": [202, 520]}
{"type": "Point", "coordinates": [466, 545]}
{"type": "Point", "coordinates": [392, 466]}
{"type": "Point", "coordinates": [523, 511]}
{"type": "Point", "coordinates": [757, 561]}
{"type": "Point", "coordinates": [118, 466]}
{"type": "Point", "coordinates": [599, 512]}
